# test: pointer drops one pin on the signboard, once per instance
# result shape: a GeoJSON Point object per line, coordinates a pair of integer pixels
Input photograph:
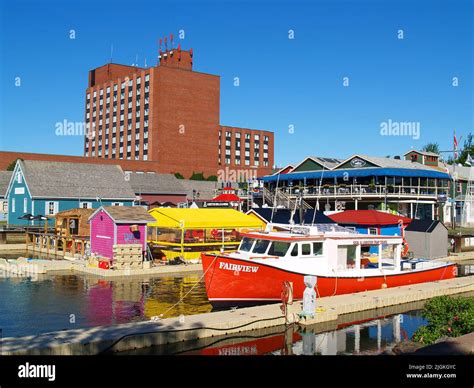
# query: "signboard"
{"type": "Point", "coordinates": [216, 204]}
{"type": "Point", "coordinates": [356, 163]}
{"type": "Point", "coordinates": [19, 190]}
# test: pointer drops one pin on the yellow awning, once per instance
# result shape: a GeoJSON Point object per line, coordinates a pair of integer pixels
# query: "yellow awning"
{"type": "Point", "coordinates": [202, 218]}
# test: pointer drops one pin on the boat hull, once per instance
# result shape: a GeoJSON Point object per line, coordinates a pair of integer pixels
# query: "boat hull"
{"type": "Point", "coordinates": [256, 283]}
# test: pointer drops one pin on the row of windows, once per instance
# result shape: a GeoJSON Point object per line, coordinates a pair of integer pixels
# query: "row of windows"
{"type": "Point", "coordinates": [256, 137]}
{"type": "Point", "coordinates": [130, 84]}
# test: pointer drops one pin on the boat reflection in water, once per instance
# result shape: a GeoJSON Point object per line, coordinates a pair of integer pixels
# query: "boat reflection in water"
{"type": "Point", "coordinates": [363, 337]}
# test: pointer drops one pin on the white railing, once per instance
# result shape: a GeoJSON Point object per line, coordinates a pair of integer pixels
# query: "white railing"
{"type": "Point", "coordinates": [362, 191]}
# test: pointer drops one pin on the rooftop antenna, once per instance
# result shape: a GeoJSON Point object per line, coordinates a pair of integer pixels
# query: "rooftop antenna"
{"type": "Point", "coordinates": [111, 52]}
{"type": "Point", "coordinates": [166, 43]}
{"type": "Point", "coordinates": [171, 39]}
{"type": "Point", "coordinates": [316, 208]}
{"type": "Point", "coordinates": [145, 63]}
{"type": "Point", "coordinates": [159, 49]}
{"type": "Point", "coordinates": [274, 200]}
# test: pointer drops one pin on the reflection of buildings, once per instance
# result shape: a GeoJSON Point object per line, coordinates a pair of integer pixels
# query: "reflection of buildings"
{"type": "Point", "coordinates": [367, 337]}
{"type": "Point", "coordinates": [119, 301]}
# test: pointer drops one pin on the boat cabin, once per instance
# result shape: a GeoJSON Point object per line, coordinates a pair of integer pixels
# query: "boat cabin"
{"type": "Point", "coordinates": [337, 248]}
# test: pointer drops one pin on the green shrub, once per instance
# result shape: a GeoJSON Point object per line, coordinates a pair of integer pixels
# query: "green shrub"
{"type": "Point", "coordinates": [446, 316]}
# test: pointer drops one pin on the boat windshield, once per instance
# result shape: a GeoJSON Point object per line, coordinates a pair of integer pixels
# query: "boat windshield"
{"type": "Point", "coordinates": [279, 248]}
{"type": "Point", "coordinates": [246, 244]}
{"type": "Point", "coordinates": [260, 246]}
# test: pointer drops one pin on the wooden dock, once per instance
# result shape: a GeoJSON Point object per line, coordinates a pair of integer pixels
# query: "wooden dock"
{"type": "Point", "coordinates": [54, 244]}
{"type": "Point", "coordinates": [139, 335]}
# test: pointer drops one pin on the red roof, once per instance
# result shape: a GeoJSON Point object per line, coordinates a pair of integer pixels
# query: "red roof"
{"type": "Point", "coordinates": [227, 198]}
{"type": "Point", "coordinates": [367, 217]}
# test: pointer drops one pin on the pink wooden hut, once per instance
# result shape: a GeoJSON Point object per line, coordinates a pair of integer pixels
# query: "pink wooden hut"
{"type": "Point", "coordinates": [110, 225]}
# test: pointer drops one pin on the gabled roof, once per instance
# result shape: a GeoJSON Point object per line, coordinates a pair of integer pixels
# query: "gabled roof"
{"type": "Point", "coordinates": [227, 197]}
{"type": "Point", "coordinates": [426, 226]}
{"type": "Point", "coordinates": [367, 217]}
{"type": "Point", "coordinates": [283, 216]}
{"type": "Point", "coordinates": [427, 153]}
{"type": "Point", "coordinates": [327, 163]}
{"type": "Point", "coordinates": [462, 172]}
{"type": "Point", "coordinates": [147, 183]}
{"type": "Point", "coordinates": [75, 180]}
{"type": "Point", "coordinates": [136, 214]}
{"type": "Point", "coordinates": [206, 189]}
{"type": "Point", "coordinates": [5, 177]}
{"type": "Point", "coordinates": [282, 169]}
{"type": "Point", "coordinates": [387, 162]}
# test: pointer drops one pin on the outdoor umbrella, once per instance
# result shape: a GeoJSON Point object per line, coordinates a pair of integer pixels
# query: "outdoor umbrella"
{"type": "Point", "coordinates": [40, 217]}
{"type": "Point", "coordinates": [27, 216]}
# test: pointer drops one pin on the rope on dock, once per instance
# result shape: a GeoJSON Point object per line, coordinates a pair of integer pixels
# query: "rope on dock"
{"type": "Point", "coordinates": [187, 293]}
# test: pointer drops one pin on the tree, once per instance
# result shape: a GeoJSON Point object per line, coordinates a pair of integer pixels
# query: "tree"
{"type": "Point", "coordinates": [178, 175]}
{"type": "Point", "coordinates": [12, 165]}
{"type": "Point", "coordinates": [212, 178]}
{"type": "Point", "coordinates": [197, 176]}
{"type": "Point", "coordinates": [431, 147]}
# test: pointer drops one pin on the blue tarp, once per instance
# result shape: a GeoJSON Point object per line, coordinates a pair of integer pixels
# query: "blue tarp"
{"type": "Point", "coordinates": [356, 173]}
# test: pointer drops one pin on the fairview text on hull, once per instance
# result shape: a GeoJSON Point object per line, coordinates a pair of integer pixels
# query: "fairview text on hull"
{"type": "Point", "coordinates": [343, 262]}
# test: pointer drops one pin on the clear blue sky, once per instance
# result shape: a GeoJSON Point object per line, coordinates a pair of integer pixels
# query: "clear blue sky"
{"type": "Point", "coordinates": [283, 82]}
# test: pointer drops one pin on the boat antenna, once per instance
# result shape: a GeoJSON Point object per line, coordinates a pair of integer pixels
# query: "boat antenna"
{"type": "Point", "coordinates": [319, 194]}
{"type": "Point", "coordinates": [274, 200]}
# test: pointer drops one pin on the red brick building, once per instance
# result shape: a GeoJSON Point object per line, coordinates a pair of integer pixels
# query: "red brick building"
{"type": "Point", "coordinates": [168, 115]}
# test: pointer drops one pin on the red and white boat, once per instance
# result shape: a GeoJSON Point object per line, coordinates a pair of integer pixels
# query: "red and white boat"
{"type": "Point", "coordinates": [338, 257]}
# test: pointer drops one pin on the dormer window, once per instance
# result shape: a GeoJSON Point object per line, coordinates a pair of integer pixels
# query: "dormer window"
{"type": "Point", "coordinates": [19, 177]}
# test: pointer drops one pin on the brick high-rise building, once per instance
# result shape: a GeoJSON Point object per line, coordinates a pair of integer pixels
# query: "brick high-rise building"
{"type": "Point", "coordinates": [168, 114]}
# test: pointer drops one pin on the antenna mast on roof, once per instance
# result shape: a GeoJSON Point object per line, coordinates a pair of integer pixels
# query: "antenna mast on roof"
{"type": "Point", "coordinates": [316, 208]}
{"type": "Point", "coordinates": [274, 200]}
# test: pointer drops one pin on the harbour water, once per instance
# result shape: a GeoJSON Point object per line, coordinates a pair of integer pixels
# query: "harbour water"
{"type": "Point", "coordinates": [62, 301]}
{"type": "Point", "coordinates": [65, 301]}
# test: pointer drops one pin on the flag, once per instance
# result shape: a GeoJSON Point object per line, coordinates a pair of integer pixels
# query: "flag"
{"type": "Point", "coordinates": [469, 160]}
{"type": "Point", "coordinates": [455, 147]}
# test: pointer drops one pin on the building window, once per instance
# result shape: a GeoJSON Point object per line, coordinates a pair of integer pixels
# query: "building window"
{"type": "Point", "coordinates": [13, 205]}
{"type": "Point", "coordinates": [117, 203]}
{"type": "Point", "coordinates": [147, 77]}
{"type": "Point", "coordinates": [25, 205]}
{"type": "Point", "coordinates": [19, 178]}
{"type": "Point", "coordinates": [85, 205]}
{"type": "Point", "coordinates": [51, 208]}
{"type": "Point", "coordinates": [372, 230]}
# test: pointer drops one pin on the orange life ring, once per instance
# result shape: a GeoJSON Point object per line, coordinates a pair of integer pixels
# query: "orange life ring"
{"type": "Point", "coordinates": [405, 248]}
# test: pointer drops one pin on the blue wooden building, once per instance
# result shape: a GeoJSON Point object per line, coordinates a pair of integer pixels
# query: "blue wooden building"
{"type": "Point", "coordinates": [45, 188]}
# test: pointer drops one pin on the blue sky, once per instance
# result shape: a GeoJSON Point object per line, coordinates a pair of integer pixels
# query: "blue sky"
{"type": "Point", "coordinates": [283, 82]}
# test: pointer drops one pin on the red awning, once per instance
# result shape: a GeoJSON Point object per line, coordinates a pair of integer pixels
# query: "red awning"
{"type": "Point", "coordinates": [367, 217]}
{"type": "Point", "coordinates": [227, 198]}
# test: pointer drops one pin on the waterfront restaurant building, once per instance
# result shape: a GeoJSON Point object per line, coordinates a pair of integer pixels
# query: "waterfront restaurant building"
{"type": "Point", "coordinates": [405, 187]}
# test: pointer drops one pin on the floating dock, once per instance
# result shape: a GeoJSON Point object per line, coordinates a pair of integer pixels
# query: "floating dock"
{"type": "Point", "coordinates": [139, 335]}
